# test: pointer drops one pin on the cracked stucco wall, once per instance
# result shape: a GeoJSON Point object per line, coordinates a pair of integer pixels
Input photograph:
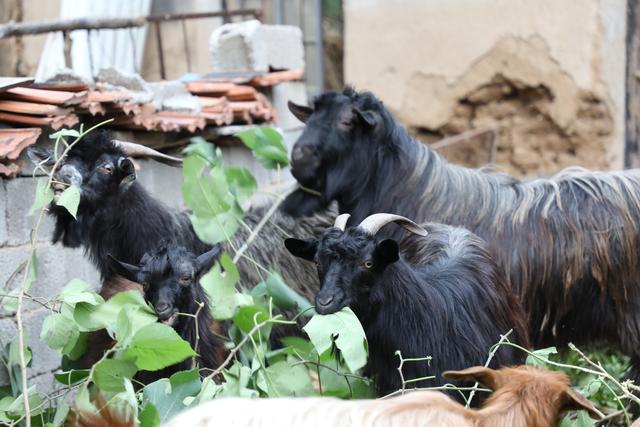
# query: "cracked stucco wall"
{"type": "Point", "coordinates": [549, 75]}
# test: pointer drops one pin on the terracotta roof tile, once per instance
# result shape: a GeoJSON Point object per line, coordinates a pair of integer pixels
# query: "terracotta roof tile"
{"type": "Point", "coordinates": [33, 108]}
{"type": "Point", "coordinates": [55, 97]}
{"type": "Point", "coordinates": [9, 82]}
{"type": "Point", "coordinates": [10, 170]}
{"type": "Point", "coordinates": [54, 123]}
{"type": "Point", "coordinates": [13, 141]}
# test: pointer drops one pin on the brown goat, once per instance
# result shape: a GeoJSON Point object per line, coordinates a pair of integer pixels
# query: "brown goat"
{"type": "Point", "coordinates": [524, 396]}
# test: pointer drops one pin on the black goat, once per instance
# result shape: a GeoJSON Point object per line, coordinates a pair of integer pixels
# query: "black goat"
{"type": "Point", "coordinates": [568, 244]}
{"type": "Point", "coordinates": [170, 278]}
{"type": "Point", "coordinates": [440, 295]}
{"type": "Point", "coordinates": [117, 216]}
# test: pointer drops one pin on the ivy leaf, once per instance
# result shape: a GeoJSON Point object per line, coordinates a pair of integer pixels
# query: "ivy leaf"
{"type": "Point", "coordinates": [133, 304]}
{"type": "Point", "coordinates": [149, 416]}
{"type": "Point", "coordinates": [241, 183]}
{"type": "Point", "coordinates": [70, 199]}
{"type": "Point", "coordinates": [218, 228]}
{"type": "Point", "coordinates": [78, 291]}
{"type": "Point", "coordinates": [220, 286]}
{"type": "Point", "coordinates": [167, 396]}
{"type": "Point", "coordinates": [44, 196]}
{"type": "Point", "coordinates": [344, 329]}
{"type": "Point", "coordinates": [538, 357]}
{"type": "Point", "coordinates": [109, 374]}
{"type": "Point", "coordinates": [71, 377]}
{"type": "Point", "coordinates": [65, 132]}
{"type": "Point", "coordinates": [236, 382]}
{"type": "Point", "coordinates": [285, 297]}
{"type": "Point", "coordinates": [267, 146]}
{"type": "Point", "coordinates": [248, 316]}
{"type": "Point", "coordinates": [59, 333]}
{"type": "Point", "coordinates": [157, 346]}
{"type": "Point", "coordinates": [287, 379]}
{"type": "Point", "coordinates": [204, 189]}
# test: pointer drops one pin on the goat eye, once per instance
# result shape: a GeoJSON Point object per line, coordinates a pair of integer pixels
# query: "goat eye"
{"type": "Point", "coordinates": [368, 264]}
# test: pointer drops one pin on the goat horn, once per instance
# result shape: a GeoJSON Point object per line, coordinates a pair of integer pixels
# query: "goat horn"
{"type": "Point", "coordinates": [136, 150]}
{"type": "Point", "coordinates": [341, 221]}
{"type": "Point", "coordinates": [375, 222]}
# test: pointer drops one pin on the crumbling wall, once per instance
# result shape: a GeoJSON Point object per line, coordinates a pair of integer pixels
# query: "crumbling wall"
{"type": "Point", "coordinates": [535, 72]}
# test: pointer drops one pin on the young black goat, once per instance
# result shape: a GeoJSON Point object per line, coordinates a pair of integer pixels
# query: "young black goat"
{"type": "Point", "coordinates": [568, 244]}
{"type": "Point", "coordinates": [170, 278]}
{"type": "Point", "coordinates": [441, 295]}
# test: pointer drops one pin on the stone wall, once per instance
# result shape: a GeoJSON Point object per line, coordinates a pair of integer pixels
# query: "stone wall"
{"type": "Point", "coordinates": [549, 75]}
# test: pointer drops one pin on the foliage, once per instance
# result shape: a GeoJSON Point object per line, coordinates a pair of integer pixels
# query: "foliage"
{"type": "Point", "coordinates": [325, 358]}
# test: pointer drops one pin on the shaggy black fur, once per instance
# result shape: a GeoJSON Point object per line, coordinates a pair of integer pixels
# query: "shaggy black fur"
{"type": "Point", "coordinates": [569, 244]}
{"type": "Point", "coordinates": [170, 276]}
{"type": "Point", "coordinates": [441, 296]}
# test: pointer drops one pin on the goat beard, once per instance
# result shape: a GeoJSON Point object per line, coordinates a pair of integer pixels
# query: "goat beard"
{"type": "Point", "coordinates": [171, 320]}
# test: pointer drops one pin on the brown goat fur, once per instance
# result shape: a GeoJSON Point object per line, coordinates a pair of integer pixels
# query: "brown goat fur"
{"type": "Point", "coordinates": [523, 396]}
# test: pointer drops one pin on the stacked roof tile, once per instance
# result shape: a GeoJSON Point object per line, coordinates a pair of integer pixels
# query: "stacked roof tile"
{"type": "Point", "coordinates": [228, 100]}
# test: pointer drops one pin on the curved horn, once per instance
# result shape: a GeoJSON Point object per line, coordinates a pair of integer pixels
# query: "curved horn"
{"type": "Point", "coordinates": [375, 222]}
{"type": "Point", "coordinates": [136, 150]}
{"type": "Point", "coordinates": [341, 221]}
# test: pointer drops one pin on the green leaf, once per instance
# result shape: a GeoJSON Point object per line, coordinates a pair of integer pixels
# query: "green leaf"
{"type": "Point", "coordinates": [267, 146]}
{"type": "Point", "coordinates": [135, 307]}
{"type": "Point", "coordinates": [167, 396]}
{"type": "Point", "coordinates": [71, 377]}
{"type": "Point", "coordinates": [83, 315]}
{"type": "Point", "coordinates": [78, 291]}
{"type": "Point", "coordinates": [221, 287]}
{"type": "Point", "coordinates": [14, 351]}
{"type": "Point", "coordinates": [241, 183]}
{"type": "Point", "coordinates": [287, 379]}
{"type": "Point", "coordinates": [35, 403]}
{"type": "Point", "coordinates": [218, 228]}
{"type": "Point", "coordinates": [109, 374]}
{"type": "Point", "coordinates": [200, 147]}
{"type": "Point", "coordinates": [538, 357]}
{"type": "Point", "coordinates": [44, 196]}
{"type": "Point", "coordinates": [59, 333]}
{"type": "Point", "coordinates": [70, 199]}
{"type": "Point", "coordinates": [285, 297]}
{"type": "Point", "coordinates": [236, 381]}
{"type": "Point", "coordinates": [204, 189]}
{"type": "Point", "coordinates": [157, 346]}
{"type": "Point", "coordinates": [248, 316]}
{"type": "Point", "coordinates": [65, 132]}
{"type": "Point", "coordinates": [149, 416]}
{"type": "Point", "coordinates": [345, 330]}
{"type": "Point", "coordinates": [61, 415]}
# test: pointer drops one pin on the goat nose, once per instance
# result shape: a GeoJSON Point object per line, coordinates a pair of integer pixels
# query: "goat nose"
{"type": "Point", "coordinates": [324, 300]}
{"type": "Point", "coordinates": [297, 154]}
{"type": "Point", "coordinates": [162, 307]}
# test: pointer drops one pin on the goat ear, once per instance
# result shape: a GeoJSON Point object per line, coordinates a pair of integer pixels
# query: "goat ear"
{"type": "Point", "coordinates": [305, 249]}
{"type": "Point", "coordinates": [301, 112]}
{"type": "Point", "coordinates": [127, 171]}
{"type": "Point", "coordinates": [368, 118]}
{"type": "Point", "coordinates": [485, 376]}
{"type": "Point", "coordinates": [127, 271]}
{"type": "Point", "coordinates": [206, 260]}
{"type": "Point", "coordinates": [387, 252]}
{"type": "Point", "coordinates": [576, 401]}
{"type": "Point", "coordinates": [40, 156]}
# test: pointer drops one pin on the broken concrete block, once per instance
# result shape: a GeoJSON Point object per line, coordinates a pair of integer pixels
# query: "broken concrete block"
{"type": "Point", "coordinates": [252, 46]}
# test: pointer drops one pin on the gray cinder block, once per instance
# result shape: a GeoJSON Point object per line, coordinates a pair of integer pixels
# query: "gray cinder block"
{"type": "Point", "coordinates": [251, 46]}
